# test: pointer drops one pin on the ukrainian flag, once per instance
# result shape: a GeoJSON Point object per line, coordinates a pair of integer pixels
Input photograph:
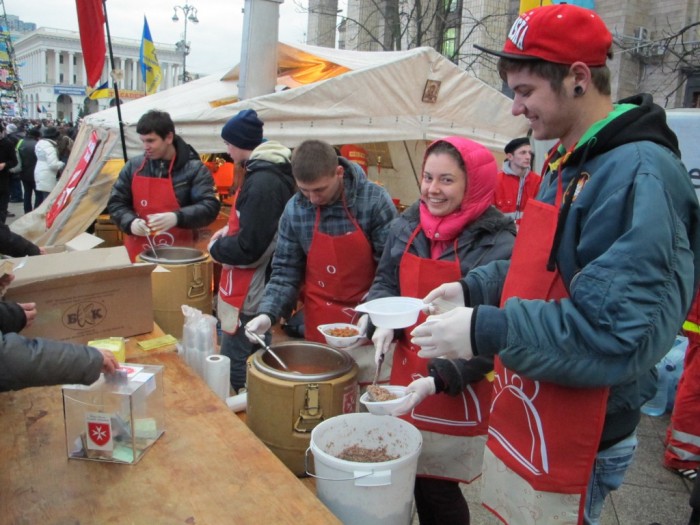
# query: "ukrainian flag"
{"type": "Point", "coordinates": [150, 69]}
{"type": "Point", "coordinates": [101, 91]}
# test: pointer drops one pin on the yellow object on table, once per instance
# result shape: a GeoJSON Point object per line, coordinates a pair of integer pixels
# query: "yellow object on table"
{"type": "Point", "coordinates": [157, 342]}
{"type": "Point", "coordinates": [117, 345]}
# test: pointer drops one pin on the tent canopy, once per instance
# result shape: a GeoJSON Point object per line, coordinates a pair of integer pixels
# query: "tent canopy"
{"type": "Point", "coordinates": [339, 96]}
{"type": "Point", "coordinates": [379, 100]}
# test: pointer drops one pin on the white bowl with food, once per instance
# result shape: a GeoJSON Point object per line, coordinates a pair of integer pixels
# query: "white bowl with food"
{"type": "Point", "coordinates": [393, 312]}
{"type": "Point", "coordinates": [383, 400]}
{"type": "Point", "coordinates": [340, 335]}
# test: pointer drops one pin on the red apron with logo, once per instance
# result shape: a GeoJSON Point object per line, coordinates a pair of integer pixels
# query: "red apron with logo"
{"type": "Point", "coordinates": [543, 437]}
{"type": "Point", "coordinates": [339, 271]}
{"type": "Point", "coordinates": [463, 415]}
{"type": "Point", "coordinates": [234, 282]}
{"type": "Point", "coordinates": [154, 195]}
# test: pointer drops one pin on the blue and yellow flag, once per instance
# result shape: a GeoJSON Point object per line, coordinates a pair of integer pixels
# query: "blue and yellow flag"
{"type": "Point", "coordinates": [150, 69]}
{"type": "Point", "coordinates": [101, 91]}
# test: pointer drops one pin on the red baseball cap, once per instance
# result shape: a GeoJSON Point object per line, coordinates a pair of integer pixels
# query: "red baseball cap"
{"type": "Point", "coordinates": [560, 33]}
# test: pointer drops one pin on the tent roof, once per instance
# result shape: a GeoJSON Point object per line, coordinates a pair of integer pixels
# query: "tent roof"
{"type": "Point", "coordinates": [336, 95]}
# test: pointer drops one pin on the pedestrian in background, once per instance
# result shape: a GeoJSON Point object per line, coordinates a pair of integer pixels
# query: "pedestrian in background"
{"type": "Point", "coordinates": [47, 164]}
{"type": "Point", "coordinates": [27, 156]}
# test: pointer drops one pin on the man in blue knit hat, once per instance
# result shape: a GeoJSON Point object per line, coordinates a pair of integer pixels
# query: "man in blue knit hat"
{"type": "Point", "coordinates": [244, 246]}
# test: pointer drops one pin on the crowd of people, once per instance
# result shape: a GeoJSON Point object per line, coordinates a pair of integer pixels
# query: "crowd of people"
{"type": "Point", "coordinates": [566, 289]}
{"type": "Point", "coordinates": [32, 154]}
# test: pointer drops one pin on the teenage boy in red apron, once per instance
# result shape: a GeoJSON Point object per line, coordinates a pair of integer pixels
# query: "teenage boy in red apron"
{"type": "Point", "coordinates": [602, 274]}
{"type": "Point", "coordinates": [330, 237]}
{"type": "Point", "coordinates": [166, 194]}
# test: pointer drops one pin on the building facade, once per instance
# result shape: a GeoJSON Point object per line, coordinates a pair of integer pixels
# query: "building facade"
{"type": "Point", "coordinates": [54, 83]}
{"type": "Point", "coordinates": [656, 42]}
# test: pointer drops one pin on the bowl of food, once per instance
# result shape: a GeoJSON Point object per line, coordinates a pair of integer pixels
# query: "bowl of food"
{"type": "Point", "coordinates": [393, 312]}
{"type": "Point", "coordinates": [340, 335]}
{"type": "Point", "coordinates": [383, 400]}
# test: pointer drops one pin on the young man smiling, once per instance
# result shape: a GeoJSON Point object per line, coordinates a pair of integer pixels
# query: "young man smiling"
{"type": "Point", "coordinates": [603, 272]}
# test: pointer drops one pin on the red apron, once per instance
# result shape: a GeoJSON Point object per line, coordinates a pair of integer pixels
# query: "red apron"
{"type": "Point", "coordinates": [543, 437]}
{"type": "Point", "coordinates": [234, 282]}
{"type": "Point", "coordinates": [463, 415]}
{"type": "Point", "coordinates": [155, 195]}
{"type": "Point", "coordinates": [339, 271]}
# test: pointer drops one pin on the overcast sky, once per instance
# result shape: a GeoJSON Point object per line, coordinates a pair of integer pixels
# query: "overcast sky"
{"type": "Point", "coordinates": [215, 41]}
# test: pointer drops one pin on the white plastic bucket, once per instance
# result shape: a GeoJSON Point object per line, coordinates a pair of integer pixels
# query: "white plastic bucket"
{"type": "Point", "coordinates": [362, 493]}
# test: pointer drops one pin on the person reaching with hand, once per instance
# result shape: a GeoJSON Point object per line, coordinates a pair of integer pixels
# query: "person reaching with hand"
{"type": "Point", "coordinates": [450, 230]}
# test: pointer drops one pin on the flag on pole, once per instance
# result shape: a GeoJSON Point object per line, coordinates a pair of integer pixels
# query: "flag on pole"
{"type": "Point", "coordinates": [101, 91]}
{"type": "Point", "coordinates": [91, 22]}
{"type": "Point", "coordinates": [150, 69]}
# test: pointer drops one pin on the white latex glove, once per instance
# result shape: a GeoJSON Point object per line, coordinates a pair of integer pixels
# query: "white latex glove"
{"type": "Point", "coordinates": [382, 339]}
{"type": "Point", "coordinates": [258, 325]}
{"type": "Point", "coordinates": [362, 328]}
{"type": "Point", "coordinates": [419, 390]}
{"type": "Point", "coordinates": [139, 227]}
{"type": "Point", "coordinates": [160, 222]}
{"type": "Point", "coordinates": [445, 335]}
{"type": "Point", "coordinates": [222, 232]}
{"type": "Point", "coordinates": [449, 292]}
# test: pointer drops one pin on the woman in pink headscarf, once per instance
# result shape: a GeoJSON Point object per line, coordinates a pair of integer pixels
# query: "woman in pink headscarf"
{"type": "Point", "coordinates": [450, 230]}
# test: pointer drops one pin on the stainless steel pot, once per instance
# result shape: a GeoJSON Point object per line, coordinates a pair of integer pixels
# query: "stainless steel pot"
{"type": "Point", "coordinates": [307, 361]}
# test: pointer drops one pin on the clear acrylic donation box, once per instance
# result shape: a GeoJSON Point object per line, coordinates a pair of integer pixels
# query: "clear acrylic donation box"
{"type": "Point", "coordinates": [118, 417]}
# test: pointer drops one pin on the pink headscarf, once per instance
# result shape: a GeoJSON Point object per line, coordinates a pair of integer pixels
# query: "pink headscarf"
{"type": "Point", "coordinates": [481, 183]}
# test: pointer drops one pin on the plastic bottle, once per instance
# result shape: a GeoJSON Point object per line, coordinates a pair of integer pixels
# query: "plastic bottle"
{"type": "Point", "coordinates": [656, 406]}
{"type": "Point", "coordinates": [674, 366]}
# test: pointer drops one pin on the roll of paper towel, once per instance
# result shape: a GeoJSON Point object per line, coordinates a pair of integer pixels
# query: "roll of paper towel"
{"type": "Point", "coordinates": [217, 374]}
{"type": "Point", "coordinates": [238, 403]}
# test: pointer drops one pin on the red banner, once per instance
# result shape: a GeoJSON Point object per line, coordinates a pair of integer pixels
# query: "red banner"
{"type": "Point", "coordinates": [64, 198]}
{"type": "Point", "coordinates": [91, 22]}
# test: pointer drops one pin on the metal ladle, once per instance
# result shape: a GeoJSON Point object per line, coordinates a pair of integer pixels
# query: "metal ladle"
{"type": "Point", "coordinates": [262, 343]}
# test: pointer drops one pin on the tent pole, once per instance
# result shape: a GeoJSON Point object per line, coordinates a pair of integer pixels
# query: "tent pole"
{"type": "Point", "coordinates": [413, 168]}
{"type": "Point", "coordinates": [115, 82]}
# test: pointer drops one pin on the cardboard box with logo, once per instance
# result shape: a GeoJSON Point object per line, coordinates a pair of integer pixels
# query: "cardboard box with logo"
{"type": "Point", "coordinates": [85, 295]}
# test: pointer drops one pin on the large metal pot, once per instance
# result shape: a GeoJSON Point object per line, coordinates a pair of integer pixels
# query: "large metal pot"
{"type": "Point", "coordinates": [285, 406]}
{"type": "Point", "coordinates": [173, 255]}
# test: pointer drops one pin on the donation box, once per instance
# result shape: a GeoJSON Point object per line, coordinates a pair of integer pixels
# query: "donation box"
{"type": "Point", "coordinates": [118, 417]}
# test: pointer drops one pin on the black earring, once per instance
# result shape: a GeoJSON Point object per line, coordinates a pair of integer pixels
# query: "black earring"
{"type": "Point", "coordinates": [578, 91]}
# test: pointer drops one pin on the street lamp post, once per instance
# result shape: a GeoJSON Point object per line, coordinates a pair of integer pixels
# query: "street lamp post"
{"type": "Point", "coordinates": [190, 13]}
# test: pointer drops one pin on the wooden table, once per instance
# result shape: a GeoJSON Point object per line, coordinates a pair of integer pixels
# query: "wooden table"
{"type": "Point", "coordinates": [208, 467]}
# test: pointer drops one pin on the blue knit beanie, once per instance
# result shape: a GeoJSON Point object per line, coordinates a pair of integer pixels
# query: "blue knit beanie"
{"type": "Point", "coordinates": [244, 130]}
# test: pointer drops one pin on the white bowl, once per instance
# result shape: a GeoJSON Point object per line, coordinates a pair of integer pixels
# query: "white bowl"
{"type": "Point", "coordinates": [384, 408]}
{"type": "Point", "coordinates": [339, 342]}
{"type": "Point", "coordinates": [393, 312]}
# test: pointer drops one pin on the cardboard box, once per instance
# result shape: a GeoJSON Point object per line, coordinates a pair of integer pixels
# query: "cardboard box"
{"type": "Point", "coordinates": [118, 417]}
{"type": "Point", "coordinates": [84, 295]}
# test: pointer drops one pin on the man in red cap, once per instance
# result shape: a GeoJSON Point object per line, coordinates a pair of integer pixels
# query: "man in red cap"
{"type": "Point", "coordinates": [602, 275]}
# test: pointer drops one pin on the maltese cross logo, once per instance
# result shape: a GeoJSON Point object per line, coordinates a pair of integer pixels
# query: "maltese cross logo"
{"type": "Point", "coordinates": [100, 433]}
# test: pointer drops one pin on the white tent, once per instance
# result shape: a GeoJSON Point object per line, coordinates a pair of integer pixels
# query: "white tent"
{"type": "Point", "coordinates": [372, 99]}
